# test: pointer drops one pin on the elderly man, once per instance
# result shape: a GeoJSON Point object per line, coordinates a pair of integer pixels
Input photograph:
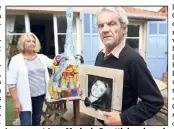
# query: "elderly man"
{"type": "Point", "coordinates": [138, 81]}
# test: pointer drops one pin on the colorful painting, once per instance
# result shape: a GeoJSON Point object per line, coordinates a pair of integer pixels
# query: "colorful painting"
{"type": "Point", "coordinates": [64, 80]}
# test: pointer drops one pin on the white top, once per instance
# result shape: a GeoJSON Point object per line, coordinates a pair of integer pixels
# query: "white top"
{"type": "Point", "coordinates": [36, 77]}
{"type": "Point", "coordinates": [18, 74]}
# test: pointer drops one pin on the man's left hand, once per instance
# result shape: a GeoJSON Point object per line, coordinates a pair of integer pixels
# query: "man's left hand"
{"type": "Point", "coordinates": [113, 118]}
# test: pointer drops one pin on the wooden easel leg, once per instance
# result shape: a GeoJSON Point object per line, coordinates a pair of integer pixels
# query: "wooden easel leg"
{"type": "Point", "coordinates": [76, 106]}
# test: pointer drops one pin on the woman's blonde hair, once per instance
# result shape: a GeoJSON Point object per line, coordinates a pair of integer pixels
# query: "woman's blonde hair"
{"type": "Point", "coordinates": [23, 39]}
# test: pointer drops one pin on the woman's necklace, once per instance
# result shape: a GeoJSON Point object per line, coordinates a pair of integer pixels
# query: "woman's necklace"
{"type": "Point", "coordinates": [30, 57]}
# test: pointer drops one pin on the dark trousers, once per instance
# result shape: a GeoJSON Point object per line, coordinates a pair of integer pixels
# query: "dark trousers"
{"type": "Point", "coordinates": [27, 119]}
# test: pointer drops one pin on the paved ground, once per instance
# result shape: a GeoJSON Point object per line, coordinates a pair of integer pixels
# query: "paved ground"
{"type": "Point", "coordinates": [159, 119]}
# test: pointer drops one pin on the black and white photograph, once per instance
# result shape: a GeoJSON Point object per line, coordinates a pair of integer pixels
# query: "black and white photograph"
{"type": "Point", "coordinates": [99, 93]}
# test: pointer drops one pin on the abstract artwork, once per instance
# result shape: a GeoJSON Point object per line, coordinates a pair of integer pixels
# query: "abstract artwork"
{"type": "Point", "coordinates": [64, 80]}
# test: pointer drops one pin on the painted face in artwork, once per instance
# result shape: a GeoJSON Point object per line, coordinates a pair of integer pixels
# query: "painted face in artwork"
{"type": "Point", "coordinates": [98, 89]}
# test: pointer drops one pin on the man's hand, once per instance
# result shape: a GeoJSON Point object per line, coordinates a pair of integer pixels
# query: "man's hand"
{"type": "Point", "coordinates": [113, 118]}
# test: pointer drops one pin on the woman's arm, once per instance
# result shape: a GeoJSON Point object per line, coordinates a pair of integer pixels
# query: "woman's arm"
{"type": "Point", "coordinates": [12, 73]}
{"type": "Point", "coordinates": [16, 103]}
{"type": "Point", "coordinates": [49, 62]}
{"type": "Point", "coordinates": [12, 90]}
{"type": "Point", "coordinates": [12, 76]}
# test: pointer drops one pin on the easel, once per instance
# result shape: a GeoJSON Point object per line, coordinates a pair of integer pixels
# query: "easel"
{"type": "Point", "coordinates": [56, 110]}
{"type": "Point", "coordinates": [53, 114]}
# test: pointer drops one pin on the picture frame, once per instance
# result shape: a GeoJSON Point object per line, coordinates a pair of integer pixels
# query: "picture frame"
{"type": "Point", "coordinates": [117, 88]}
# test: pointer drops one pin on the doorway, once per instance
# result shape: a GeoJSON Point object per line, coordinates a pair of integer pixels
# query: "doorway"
{"type": "Point", "coordinates": [42, 26]}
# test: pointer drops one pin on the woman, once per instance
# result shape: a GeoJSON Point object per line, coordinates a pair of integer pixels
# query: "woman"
{"type": "Point", "coordinates": [100, 96]}
{"type": "Point", "coordinates": [27, 79]}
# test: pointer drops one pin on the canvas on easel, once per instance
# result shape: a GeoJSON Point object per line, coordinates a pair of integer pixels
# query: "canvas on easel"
{"type": "Point", "coordinates": [64, 82]}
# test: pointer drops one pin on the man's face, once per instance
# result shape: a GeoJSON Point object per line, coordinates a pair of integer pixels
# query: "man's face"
{"type": "Point", "coordinates": [110, 29]}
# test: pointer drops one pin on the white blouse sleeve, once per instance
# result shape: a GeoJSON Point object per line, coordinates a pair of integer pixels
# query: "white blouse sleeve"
{"type": "Point", "coordinates": [11, 86]}
{"type": "Point", "coordinates": [49, 61]}
{"type": "Point", "coordinates": [12, 73]}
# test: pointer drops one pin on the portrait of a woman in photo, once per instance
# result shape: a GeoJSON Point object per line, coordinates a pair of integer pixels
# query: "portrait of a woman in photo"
{"type": "Point", "coordinates": [99, 95]}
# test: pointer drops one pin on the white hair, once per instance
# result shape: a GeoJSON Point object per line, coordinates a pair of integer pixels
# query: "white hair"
{"type": "Point", "coordinates": [118, 10]}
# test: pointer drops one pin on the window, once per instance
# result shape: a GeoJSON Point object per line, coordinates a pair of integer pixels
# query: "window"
{"type": "Point", "coordinates": [14, 29]}
{"type": "Point", "coordinates": [133, 36]}
{"type": "Point", "coordinates": [86, 23]}
{"type": "Point", "coordinates": [90, 26]}
{"type": "Point", "coordinates": [61, 32]}
{"type": "Point", "coordinates": [156, 29]}
{"type": "Point", "coordinates": [153, 28]}
{"type": "Point", "coordinates": [163, 28]}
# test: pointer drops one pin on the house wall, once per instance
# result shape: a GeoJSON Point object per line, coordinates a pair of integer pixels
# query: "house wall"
{"type": "Point", "coordinates": [50, 9]}
{"type": "Point", "coordinates": [144, 40]}
{"type": "Point", "coordinates": [78, 10]}
{"type": "Point", "coordinates": [143, 31]}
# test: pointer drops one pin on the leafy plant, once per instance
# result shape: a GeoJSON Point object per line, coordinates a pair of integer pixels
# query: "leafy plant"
{"type": "Point", "coordinates": [12, 46]}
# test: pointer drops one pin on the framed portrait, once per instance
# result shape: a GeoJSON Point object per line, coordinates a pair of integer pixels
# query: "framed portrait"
{"type": "Point", "coordinates": [101, 89]}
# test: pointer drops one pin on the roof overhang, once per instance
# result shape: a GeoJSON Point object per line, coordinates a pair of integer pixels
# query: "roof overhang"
{"type": "Point", "coordinates": [146, 17]}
